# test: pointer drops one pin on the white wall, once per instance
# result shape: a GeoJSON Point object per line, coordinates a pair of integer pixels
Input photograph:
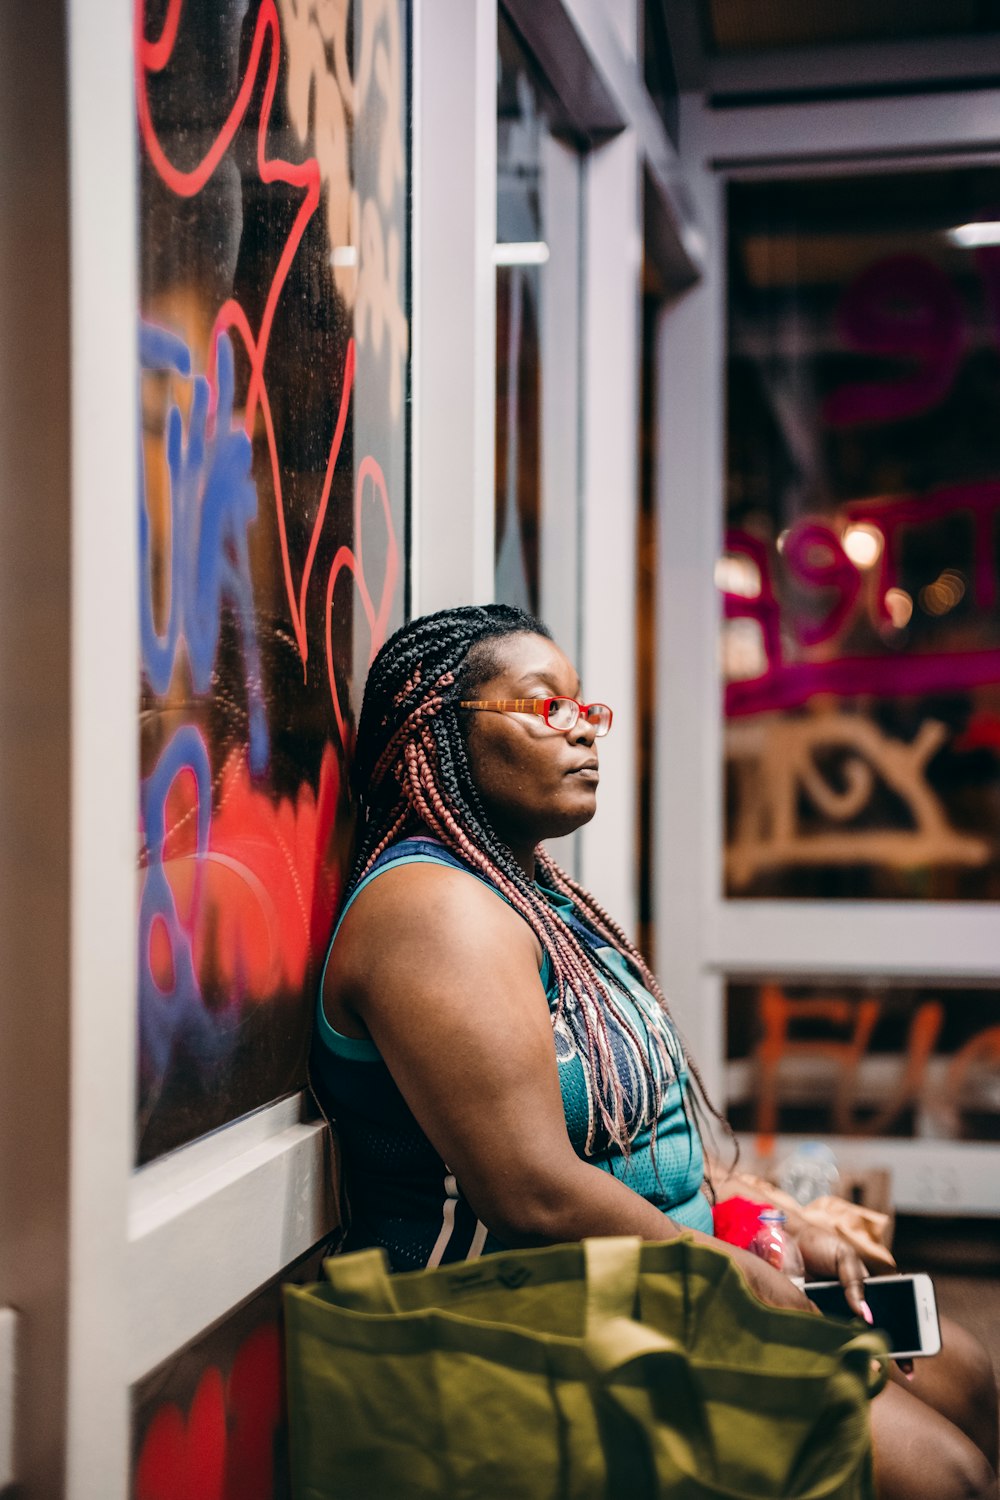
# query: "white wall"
{"type": "Point", "coordinates": [611, 342]}
{"type": "Point", "coordinates": [454, 301]}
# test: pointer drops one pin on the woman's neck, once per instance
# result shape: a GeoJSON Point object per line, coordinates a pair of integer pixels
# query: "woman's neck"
{"type": "Point", "coordinates": [524, 855]}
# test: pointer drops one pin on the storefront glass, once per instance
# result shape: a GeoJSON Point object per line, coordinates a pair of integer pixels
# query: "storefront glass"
{"type": "Point", "coordinates": [861, 640]}
{"type": "Point", "coordinates": [274, 352]}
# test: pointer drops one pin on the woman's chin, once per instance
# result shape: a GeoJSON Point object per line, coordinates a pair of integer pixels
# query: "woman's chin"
{"type": "Point", "coordinates": [575, 815]}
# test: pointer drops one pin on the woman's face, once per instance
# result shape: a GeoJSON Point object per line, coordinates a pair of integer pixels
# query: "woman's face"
{"type": "Point", "coordinates": [534, 782]}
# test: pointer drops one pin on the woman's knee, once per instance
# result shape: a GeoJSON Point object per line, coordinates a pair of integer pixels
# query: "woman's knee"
{"type": "Point", "coordinates": [921, 1455]}
{"type": "Point", "coordinates": [969, 1374]}
{"type": "Point", "coordinates": [971, 1474]}
{"type": "Point", "coordinates": [966, 1349]}
{"type": "Point", "coordinates": [957, 1470]}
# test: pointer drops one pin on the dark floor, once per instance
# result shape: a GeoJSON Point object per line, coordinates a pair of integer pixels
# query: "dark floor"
{"type": "Point", "coordinates": [963, 1257]}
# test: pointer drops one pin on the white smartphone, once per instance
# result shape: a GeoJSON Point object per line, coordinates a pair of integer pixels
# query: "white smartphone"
{"type": "Point", "coordinates": [904, 1309]}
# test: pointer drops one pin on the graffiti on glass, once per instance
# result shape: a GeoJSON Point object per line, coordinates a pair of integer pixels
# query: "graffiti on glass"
{"type": "Point", "coordinates": [825, 630]}
{"type": "Point", "coordinates": [273, 347]}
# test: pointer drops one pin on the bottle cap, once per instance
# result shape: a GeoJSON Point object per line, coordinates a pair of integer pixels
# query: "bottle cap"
{"type": "Point", "coordinates": [818, 1151]}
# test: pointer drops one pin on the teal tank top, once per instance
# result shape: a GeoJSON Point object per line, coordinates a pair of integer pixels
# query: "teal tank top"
{"type": "Point", "coordinates": [402, 1195]}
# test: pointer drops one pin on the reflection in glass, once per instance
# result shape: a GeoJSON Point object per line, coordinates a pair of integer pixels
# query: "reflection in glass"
{"type": "Point", "coordinates": [537, 381]}
{"type": "Point", "coordinates": [521, 255]}
{"type": "Point", "coordinates": [273, 343]}
{"type": "Point", "coordinates": [861, 641]}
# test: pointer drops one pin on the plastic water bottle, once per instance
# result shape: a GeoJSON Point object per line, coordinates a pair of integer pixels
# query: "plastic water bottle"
{"type": "Point", "coordinates": [775, 1244]}
{"type": "Point", "coordinates": [809, 1172]}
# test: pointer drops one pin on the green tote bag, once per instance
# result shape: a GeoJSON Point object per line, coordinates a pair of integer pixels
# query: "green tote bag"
{"type": "Point", "coordinates": [610, 1370]}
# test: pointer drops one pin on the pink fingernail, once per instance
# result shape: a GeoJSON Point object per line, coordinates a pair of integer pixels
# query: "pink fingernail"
{"type": "Point", "coordinates": [866, 1313]}
{"type": "Point", "coordinates": [908, 1374]}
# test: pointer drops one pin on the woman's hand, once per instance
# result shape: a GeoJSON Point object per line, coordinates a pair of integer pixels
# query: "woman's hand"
{"type": "Point", "coordinates": [766, 1283]}
{"type": "Point", "coordinates": [829, 1258]}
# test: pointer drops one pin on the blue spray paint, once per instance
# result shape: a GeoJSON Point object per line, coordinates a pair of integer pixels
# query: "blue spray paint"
{"type": "Point", "coordinates": [213, 501]}
{"type": "Point", "coordinates": [176, 1016]}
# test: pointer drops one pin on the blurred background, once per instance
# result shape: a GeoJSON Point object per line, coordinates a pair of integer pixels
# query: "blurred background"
{"type": "Point", "coordinates": [676, 322]}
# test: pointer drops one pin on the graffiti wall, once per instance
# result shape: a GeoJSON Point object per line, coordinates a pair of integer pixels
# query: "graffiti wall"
{"type": "Point", "coordinates": [273, 345]}
{"type": "Point", "coordinates": [211, 1423]}
{"type": "Point", "coordinates": [861, 633]}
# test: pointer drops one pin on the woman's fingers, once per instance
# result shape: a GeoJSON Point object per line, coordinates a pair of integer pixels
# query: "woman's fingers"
{"type": "Point", "coordinates": [851, 1275]}
{"type": "Point", "coordinates": [854, 1291]}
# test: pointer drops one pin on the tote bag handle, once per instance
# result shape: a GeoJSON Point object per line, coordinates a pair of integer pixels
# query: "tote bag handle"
{"type": "Point", "coordinates": [611, 1270]}
{"type": "Point", "coordinates": [869, 1348]}
{"type": "Point", "coordinates": [614, 1336]}
{"type": "Point", "coordinates": [362, 1282]}
{"type": "Point", "coordinates": [680, 1449]}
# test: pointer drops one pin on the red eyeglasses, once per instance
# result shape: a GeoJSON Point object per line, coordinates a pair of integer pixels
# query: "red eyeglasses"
{"type": "Point", "coordinates": [562, 714]}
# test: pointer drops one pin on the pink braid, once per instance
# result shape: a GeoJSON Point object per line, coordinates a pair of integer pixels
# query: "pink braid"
{"type": "Point", "coordinates": [384, 843]}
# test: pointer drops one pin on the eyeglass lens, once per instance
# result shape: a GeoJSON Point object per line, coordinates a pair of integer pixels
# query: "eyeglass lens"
{"type": "Point", "coordinates": [564, 712]}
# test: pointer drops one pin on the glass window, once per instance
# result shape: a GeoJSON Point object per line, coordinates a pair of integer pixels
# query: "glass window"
{"type": "Point", "coordinates": [864, 1059]}
{"type": "Point", "coordinates": [273, 337]}
{"type": "Point", "coordinates": [861, 639]}
{"type": "Point", "coordinates": [537, 377]}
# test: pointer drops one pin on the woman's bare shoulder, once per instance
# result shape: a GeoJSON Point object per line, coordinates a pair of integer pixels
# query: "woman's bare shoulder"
{"type": "Point", "coordinates": [429, 913]}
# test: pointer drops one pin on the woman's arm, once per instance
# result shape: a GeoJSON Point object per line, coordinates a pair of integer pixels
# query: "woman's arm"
{"type": "Point", "coordinates": [444, 977]}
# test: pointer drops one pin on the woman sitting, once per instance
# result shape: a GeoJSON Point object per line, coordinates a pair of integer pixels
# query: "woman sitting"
{"type": "Point", "coordinates": [500, 1060]}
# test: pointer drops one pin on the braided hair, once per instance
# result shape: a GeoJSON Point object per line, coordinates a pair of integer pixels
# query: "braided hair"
{"type": "Point", "coordinates": [411, 773]}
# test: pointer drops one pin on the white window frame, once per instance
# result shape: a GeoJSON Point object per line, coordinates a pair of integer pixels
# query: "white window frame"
{"type": "Point", "coordinates": [701, 937]}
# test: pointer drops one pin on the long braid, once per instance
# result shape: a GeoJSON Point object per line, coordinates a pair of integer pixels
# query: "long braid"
{"type": "Point", "coordinates": [411, 772]}
{"type": "Point", "coordinates": [609, 929]}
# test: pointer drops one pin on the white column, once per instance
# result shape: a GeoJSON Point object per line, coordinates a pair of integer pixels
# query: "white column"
{"type": "Point", "coordinates": [560, 343]}
{"type": "Point", "coordinates": [454, 301]}
{"type": "Point", "coordinates": [105, 683]}
{"type": "Point", "coordinates": [34, 732]}
{"type": "Point", "coordinates": [690, 365]}
{"type": "Point", "coordinates": [610, 418]}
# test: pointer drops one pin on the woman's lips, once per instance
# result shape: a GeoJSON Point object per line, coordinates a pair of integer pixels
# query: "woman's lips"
{"type": "Point", "coordinates": [588, 771]}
